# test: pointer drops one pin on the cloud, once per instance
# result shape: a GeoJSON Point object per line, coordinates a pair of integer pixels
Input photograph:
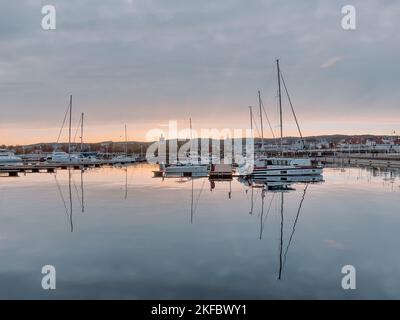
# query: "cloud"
{"type": "Point", "coordinates": [336, 244]}
{"type": "Point", "coordinates": [145, 59]}
{"type": "Point", "coordinates": [331, 62]}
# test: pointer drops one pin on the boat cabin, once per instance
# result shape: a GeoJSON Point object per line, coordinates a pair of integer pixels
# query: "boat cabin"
{"type": "Point", "coordinates": [283, 162]}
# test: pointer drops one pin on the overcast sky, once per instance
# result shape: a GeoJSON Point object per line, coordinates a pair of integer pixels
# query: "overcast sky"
{"type": "Point", "coordinates": [144, 62]}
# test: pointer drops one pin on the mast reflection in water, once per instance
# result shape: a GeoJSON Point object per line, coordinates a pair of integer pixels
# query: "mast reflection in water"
{"type": "Point", "coordinates": [137, 236]}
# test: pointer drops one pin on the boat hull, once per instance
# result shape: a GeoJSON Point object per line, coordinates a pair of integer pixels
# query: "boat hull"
{"type": "Point", "coordinates": [290, 171]}
{"type": "Point", "coordinates": [181, 171]}
{"type": "Point", "coordinates": [4, 162]}
{"type": "Point", "coordinates": [288, 179]}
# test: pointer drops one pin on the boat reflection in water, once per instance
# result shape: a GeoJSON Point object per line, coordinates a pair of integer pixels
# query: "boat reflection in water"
{"type": "Point", "coordinates": [272, 198]}
{"type": "Point", "coordinates": [275, 191]}
{"type": "Point", "coordinates": [67, 196]}
{"type": "Point", "coordinates": [74, 192]}
{"type": "Point", "coordinates": [281, 181]}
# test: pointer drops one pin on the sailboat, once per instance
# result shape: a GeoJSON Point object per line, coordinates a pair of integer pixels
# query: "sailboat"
{"type": "Point", "coordinates": [280, 166]}
{"type": "Point", "coordinates": [190, 167]}
{"type": "Point", "coordinates": [124, 158]}
{"type": "Point", "coordinates": [283, 252]}
{"type": "Point", "coordinates": [61, 156]}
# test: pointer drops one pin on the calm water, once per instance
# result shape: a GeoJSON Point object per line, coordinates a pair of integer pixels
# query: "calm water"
{"type": "Point", "coordinates": [134, 236]}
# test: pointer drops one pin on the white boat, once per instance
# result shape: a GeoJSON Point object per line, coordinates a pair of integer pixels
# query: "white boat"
{"type": "Point", "coordinates": [8, 157]}
{"type": "Point", "coordinates": [288, 178]}
{"type": "Point", "coordinates": [280, 166]}
{"type": "Point", "coordinates": [193, 166]}
{"type": "Point", "coordinates": [123, 159]}
{"type": "Point", "coordinates": [199, 159]}
{"type": "Point", "coordinates": [63, 157]}
{"type": "Point", "coordinates": [268, 166]}
{"type": "Point", "coordinates": [185, 170]}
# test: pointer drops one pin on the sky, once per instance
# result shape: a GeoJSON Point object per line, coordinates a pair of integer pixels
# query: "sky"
{"type": "Point", "coordinates": [146, 62]}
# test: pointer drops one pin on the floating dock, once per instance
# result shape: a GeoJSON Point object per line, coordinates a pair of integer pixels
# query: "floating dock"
{"type": "Point", "coordinates": [221, 172]}
{"type": "Point", "coordinates": [368, 162]}
{"type": "Point", "coordinates": [11, 170]}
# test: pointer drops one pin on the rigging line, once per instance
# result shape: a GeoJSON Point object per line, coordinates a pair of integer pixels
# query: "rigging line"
{"type": "Point", "coordinates": [252, 200]}
{"type": "Point", "coordinates": [62, 196]}
{"type": "Point", "coordinates": [76, 190]}
{"type": "Point", "coordinates": [198, 197]}
{"type": "Point", "coordinates": [266, 216]}
{"type": "Point", "coordinates": [62, 126]}
{"type": "Point", "coordinates": [70, 201]}
{"type": "Point", "coordinates": [266, 116]}
{"type": "Point", "coordinates": [255, 125]}
{"type": "Point", "coordinates": [269, 208]}
{"type": "Point", "coordinates": [281, 239]}
{"type": "Point", "coordinates": [291, 106]}
{"type": "Point", "coordinates": [191, 205]}
{"type": "Point", "coordinates": [77, 128]}
{"type": "Point", "coordinates": [295, 223]}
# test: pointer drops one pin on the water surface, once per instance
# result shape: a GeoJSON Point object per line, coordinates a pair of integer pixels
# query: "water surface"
{"type": "Point", "coordinates": [130, 235]}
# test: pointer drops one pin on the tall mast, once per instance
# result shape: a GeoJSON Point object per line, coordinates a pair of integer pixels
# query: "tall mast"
{"type": "Point", "coordinates": [190, 124]}
{"type": "Point", "coordinates": [82, 132]}
{"type": "Point", "coordinates": [262, 127]}
{"type": "Point", "coordinates": [280, 103]}
{"type": "Point", "coordinates": [191, 205]}
{"type": "Point", "coordinates": [70, 199]}
{"type": "Point", "coordinates": [70, 124]}
{"type": "Point", "coordinates": [281, 240]}
{"type": "Point", "coordinates": [191, 143]}
{"type": "Point", "coordinates": [82, 193]}
{"type": "Point", "coordinates": [251, 120]}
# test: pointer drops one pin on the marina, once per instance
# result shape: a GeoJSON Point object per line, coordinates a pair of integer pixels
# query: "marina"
{"type": "Point", "coordinates": [128, 235]}
{"type": "Point", "coordinates": [173, 151]}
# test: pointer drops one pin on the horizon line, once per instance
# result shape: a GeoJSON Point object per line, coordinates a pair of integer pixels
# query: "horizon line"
{"type": "Point", "coordinates": [221, 139]}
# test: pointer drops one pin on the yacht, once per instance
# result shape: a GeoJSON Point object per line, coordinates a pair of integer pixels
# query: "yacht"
{"type": "Point", "coordinates": [185, 170]}
{"type": "Point", "coordinates": [270, 166]}
{"type": "Point", "coordinates": [192, 166]}
{"type": "Point", "coordinates": [123, 159]}
{"type": "Point", "coordinates": [195, 158]}
{"type": "Point", "coordinates": [279, 166]}
{"type": "Point", "coordinates": [8, 157]}
{"type": "Point", "coordinates": [62, 157]}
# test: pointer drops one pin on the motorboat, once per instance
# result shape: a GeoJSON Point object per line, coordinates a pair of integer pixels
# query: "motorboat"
{"type": "Point", "coordinates": [271, 166]}
{"type": "Point", "coordinates": [63, 157]}
{"type": "Point", "coordinates": [185, 170]}
{"type": "Point", "coordinates": [8, 157]}
{"type": "Point", "coordinates": [123, 159]}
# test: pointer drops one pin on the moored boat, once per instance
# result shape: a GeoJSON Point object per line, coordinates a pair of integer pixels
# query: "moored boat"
{"type": "Point", "coordinates": [285, 167]}
{"type": "Point", "coordinates": [279, 166]}
{"type": "Point", "coordinates": [185, 170]}
{"type": "Point", "coordinates": [63, 157]}
{"type": "Point", "coordinates": [8, 157]}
